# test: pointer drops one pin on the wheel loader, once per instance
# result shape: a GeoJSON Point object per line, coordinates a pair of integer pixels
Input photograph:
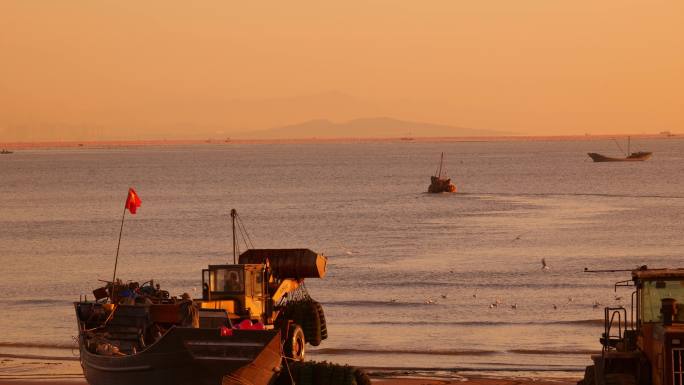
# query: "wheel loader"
{"type": "Point", "coordinates": [266, 286]}
{"type": "Point", "coordinates": [643, 344]}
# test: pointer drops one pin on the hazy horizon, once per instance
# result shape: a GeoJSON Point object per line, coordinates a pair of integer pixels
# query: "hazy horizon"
{"type": "Point", "coordinates": [82, 70]}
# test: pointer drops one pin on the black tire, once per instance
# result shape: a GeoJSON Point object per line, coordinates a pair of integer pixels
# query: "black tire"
{"type": "Point", "coordinates": [361, 377]}
{"type": "Point", "coordinates": [322, 373]}
{"type": "Point", "coordinates": [349, 378]}
{"type": "Point", "coordinates": [286, 376]}
{"type": "Point", "coordinates": [294, 346]}
{"type": "Point", "coordinates": [321, 316]}
{"type": "Point", "coordinates": [336, 375]}
{"type": "Point", "coordinates": [312, 325]}
{"type": "Point", "coordinates": [343, 375]}
{"type": "Point", "coordinates": [306, 375]}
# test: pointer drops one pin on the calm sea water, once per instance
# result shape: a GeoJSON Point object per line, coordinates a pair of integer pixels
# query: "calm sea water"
{"type": "Point", "coordinates": [392, 248]}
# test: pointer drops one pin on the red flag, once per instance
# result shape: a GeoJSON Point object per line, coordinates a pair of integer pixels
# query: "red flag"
{"type": "Point", "coordinates": [132, 201]}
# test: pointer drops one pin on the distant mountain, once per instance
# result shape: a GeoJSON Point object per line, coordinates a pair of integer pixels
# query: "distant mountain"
{"type": "Point", "coordinates": [379, 127]}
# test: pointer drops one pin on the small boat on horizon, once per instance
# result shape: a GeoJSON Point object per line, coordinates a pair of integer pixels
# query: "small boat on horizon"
{"type": "Point", "coordinates": [6, 151]}
{"type": "Point", "coordinates": [439, 183]}
{"type": "Point", "coordinates": [629, 156]}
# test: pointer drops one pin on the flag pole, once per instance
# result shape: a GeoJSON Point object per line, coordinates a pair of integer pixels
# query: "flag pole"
{"type": "Point", "coordinates": [116, 261]}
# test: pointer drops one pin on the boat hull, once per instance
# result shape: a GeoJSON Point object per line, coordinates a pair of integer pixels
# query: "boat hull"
{"type": "Point", "coordinates": [634, 157]}
{"type": "Point", "coordinates": [440, 185]}
{"type": "Point", "coordinates": [190, 356]}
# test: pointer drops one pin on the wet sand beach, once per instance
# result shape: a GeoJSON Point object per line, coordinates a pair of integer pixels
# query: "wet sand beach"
{"type": "Point", "coordinates": [376, 380]}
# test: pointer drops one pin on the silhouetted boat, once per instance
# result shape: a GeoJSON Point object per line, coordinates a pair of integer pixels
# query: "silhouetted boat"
{"type": "Point", "coordinates": [631, 157]}
{"type": "Point", "coordinates": [6, 151]}
{"type": "Point", "coordinates": [122, 344]}
{"type": "Point", "coordinates": [439, 183]}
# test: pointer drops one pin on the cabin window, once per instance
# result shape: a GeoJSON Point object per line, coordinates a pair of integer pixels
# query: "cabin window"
{"type": "Point", "coordinates": [257, 284]}
{"type": "Point", "coordinates": [653, 292]}
{"type": "Point", "coordinates": [228, 280]}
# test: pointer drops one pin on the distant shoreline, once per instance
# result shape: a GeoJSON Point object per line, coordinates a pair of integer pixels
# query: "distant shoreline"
{"type": "Point", "coordinates": [181, 142]}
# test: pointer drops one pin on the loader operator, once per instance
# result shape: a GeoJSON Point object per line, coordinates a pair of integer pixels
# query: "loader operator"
{"type": "Point", "coordinates": [232, 282]}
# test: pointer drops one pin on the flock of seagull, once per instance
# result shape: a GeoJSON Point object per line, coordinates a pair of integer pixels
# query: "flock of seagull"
{"type": "Point", "coordinates": [497, 302]}
{"type": "Point", "coordinates": [545, 267]}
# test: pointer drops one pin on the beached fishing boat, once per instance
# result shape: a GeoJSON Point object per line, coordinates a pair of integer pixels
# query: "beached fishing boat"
{"type": "Point", "coordinates": [183, 355]}
{"type": "Point", "coordinates": [249, 313]}
{"type": "Point", "coordinates": [630, 157]}
{"type": "Point", "coordinates": [439, 183]}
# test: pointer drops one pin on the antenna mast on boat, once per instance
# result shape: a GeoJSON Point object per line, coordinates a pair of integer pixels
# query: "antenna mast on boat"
{"type": "Point", "coordinates": [441, 159]}
{"type": "Point", "coordinates": [620, 147]}
{"type": "Point", "coordinates": [629, 140]}
{"type": "Point", "coordinates": [233, 214]}
{"type": "Point", "coordinates": [246, 239]}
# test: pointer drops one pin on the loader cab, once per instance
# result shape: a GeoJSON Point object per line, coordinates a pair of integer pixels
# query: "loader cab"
{"type": "Point", "coordinates": [239, 289]}
{"type": "Point", "coordinates": [648, 347]}
{"type": "Point", "coordinates": [660, 324]}
{"type": "Point", "coordinates": [656, 295]}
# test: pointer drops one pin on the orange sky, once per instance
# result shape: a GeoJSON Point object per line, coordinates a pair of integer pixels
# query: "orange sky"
{"type": "Point", "coordinates": [84, 69]}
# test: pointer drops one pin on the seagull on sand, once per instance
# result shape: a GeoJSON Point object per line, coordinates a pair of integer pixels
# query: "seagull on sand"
{"type": "Point", "coordinates": [545, 267]}
{"type": "Point", "coordinates": [518, 237]}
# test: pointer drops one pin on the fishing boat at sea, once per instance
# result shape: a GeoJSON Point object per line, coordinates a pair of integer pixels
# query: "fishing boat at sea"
{"type": "Point", "coordinates": [251, 313]}
{"type": "Point", "coordinates": [629, 156]}
{"type": "Point", "coordinates": [6, 151]}
{"type": "Point", "coordinates": [439, 183]}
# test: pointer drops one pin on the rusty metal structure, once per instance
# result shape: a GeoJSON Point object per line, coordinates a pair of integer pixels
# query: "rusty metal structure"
{"type": "Point", "coordinates": [643, 344]}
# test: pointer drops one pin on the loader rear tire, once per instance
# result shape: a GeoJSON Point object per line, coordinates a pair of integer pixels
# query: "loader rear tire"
{"type": "Point", "coordinates": [312, 325]}
{"type": "Point", "coordinates": [321, 316]}
{"type": "Point", "coordinates": [321, 373]}
{"type": "Point", "coordinates": [306, 375]}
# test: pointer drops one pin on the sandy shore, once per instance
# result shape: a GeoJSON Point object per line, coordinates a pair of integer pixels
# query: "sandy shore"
{"type": "Point", "coordinates": [379, 380]}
